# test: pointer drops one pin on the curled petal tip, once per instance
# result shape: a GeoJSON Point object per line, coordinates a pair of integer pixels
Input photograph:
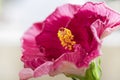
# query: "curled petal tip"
{"type": "Point", "coordinates": [26, 73]}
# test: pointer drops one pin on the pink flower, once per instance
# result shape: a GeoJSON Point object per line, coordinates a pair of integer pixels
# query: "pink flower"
{"type": "Point", "coordinates": [67, 40]}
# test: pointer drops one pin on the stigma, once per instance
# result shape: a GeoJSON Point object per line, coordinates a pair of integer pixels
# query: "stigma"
{"type": "Point", "coordinates": [66, 38]}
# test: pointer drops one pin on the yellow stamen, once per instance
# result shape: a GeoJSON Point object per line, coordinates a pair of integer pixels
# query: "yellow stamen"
{"type": "Point", "coordinates": [66, 38]}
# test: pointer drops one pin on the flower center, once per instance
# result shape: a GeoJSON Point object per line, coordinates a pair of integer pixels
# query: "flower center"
{"type": "Point", "coordinates": [66, 38]}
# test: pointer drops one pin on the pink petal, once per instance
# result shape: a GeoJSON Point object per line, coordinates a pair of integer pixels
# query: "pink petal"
{"type": "Point", "coordinates": [97, 28]}
{"type": "Point", "coordinates": [108, 31]}
{"type": "Point", "coordinates": [43, 69]}
{"type": "Point", "coordinates": [68, 68]}
{"type": "Point", "coordinates": [32, 57]}
{"type": "Point", "coordinates": [26, 73]}
{"type": "Point", "coordinates": [80, 58]}
{"type": "Point", "coordinates": [112, 20]}
{"type": "Point", "coordinates": [90, 14]}
{"type": "Point", "coordinates": [59, 18]}
{"type": "Point", "coordinates": [28, 38]}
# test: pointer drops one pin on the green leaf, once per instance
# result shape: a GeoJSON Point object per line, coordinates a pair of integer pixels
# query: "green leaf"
{"type": "Point", "coordinates": [94, 72]}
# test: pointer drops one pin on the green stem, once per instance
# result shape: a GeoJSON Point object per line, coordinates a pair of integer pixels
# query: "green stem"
{"type": "Point", "coordinates": [73, 79]}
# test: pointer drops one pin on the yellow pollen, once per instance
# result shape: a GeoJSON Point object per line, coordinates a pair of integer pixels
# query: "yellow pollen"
{"type": "Point", "coordinates": [66, 38]}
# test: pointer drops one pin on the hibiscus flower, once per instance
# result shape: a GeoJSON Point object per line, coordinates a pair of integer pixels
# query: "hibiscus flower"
{"type": "Point", "coordinates": [67, 41]}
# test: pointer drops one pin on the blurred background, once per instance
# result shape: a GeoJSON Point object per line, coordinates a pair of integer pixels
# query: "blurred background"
{"type": "Point", "coordinates": [16, 16]}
